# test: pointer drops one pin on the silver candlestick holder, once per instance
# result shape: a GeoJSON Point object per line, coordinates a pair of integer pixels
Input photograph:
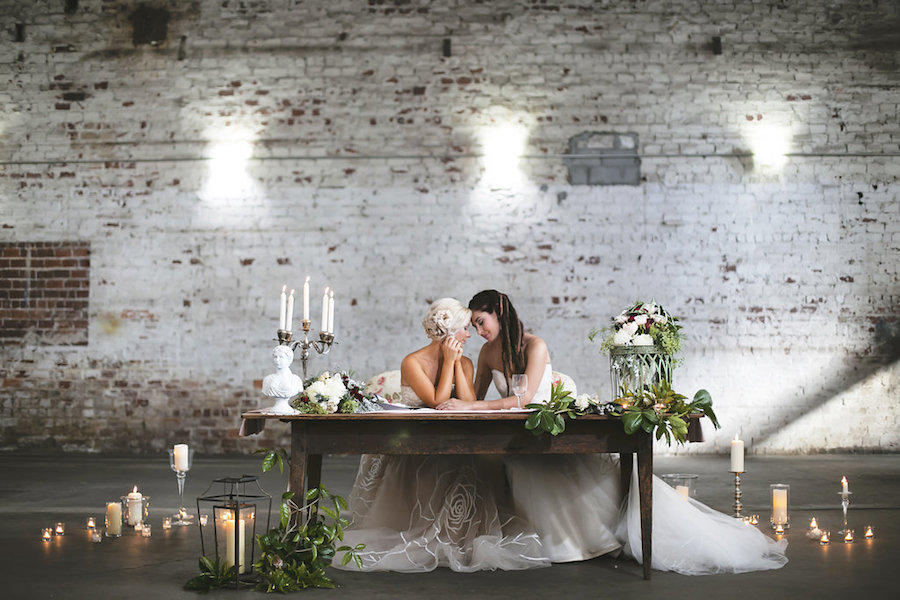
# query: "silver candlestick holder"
{"type": "Point", "coordinates": [321, 346]}
{"type": "Point", "coordinates": [737, 495]}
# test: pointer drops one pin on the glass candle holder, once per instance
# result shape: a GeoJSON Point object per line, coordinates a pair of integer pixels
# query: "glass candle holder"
{"type": "Point", "coordinates": [135, 509]}
{"type": "Point", "coordinates": [204, 519]}
{"type": "Point", "coordinates": [60, 528]}
{"type": "Point", "coordinates": [825, 538]}
{"type": "Point", "coordinates": [47, 534]}
{"type": "Point", "coordinates": [848, 536]}
{"type": "Point", "coordinates": [90, 523]}
{"type": "Point", "coordinates": [145, 531]}
{"type": "Point", "coordinates": [684, 483]}
{"type": "Point", "coordinates": [167, 523]}
{"type": "Point", "coordinates": [96, 536]}
{"type": "Point", "coordinates": [870, 533]}
{"type": "Point", "coordinates": [780, 493]}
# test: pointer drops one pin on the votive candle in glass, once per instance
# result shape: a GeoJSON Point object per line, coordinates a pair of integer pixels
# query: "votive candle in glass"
{"type": "Point", "coordinates": [167, 523]}
{"type": "Point", "coordinates": [91, 523]}
{"type": "Point", "coordinates": [47, 534]}
{"type": "Point", "coordinates": [870, 533]}
{"type": "Point", "coordinates": [204, 519]}
{"type": "Point", "coordinates": [145, 532]}
{"type": "Point", "coordinates": [826, 537]}
{"type": "Point", "coordinates": [60, 528]}
{"type": "Point", "coordinates": [848, 536]}
{"type": "Point", "coordinates": [96, 536]}
{"type": "Point", "coordinates": [780, 499]}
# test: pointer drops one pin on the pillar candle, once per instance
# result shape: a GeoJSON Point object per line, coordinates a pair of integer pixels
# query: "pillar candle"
{"type": "Point", "coordinates": [114, 518]}
{"type": "Point", "coordinates": [229, 544]}
{"type": "Point", "coordinates": [180, 454]}
{"type": "Point", "coordinates": [845, 486]}
{"type": "Point", "coordinates": [331, 312]}
{"type": "Point", "coordinates": [684, 491]}
{"type": "Point", "coordinates": [289, 319]}
{"type": "Point", "coordinates": [281, 308]}
{"type": "Point", "coordinates": [737, 455]}
{"type": "Point", "coordinates": [135, 504]}
{"type": "Point", "coordinates": [306, 299]}
{"type": "Point", "coordinates": [325, 310]}
{"type": "Point", "coordinates": [779, 506]}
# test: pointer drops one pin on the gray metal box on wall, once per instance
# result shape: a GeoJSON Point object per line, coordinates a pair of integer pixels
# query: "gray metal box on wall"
{"type": "Point", "coordinates": [604, 158]}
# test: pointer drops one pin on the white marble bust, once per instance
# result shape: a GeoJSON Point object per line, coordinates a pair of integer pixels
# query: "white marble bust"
{"type": "Point", "coordinates": [282, 384]}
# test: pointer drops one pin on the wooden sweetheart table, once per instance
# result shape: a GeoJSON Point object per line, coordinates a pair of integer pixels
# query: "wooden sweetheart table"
{"type": "Point", "coordinates": [453, 432]}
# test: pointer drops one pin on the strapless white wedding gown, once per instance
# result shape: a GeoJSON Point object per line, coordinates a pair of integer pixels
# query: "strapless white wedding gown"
{"type": "Point", "coordinates": [416, 513]}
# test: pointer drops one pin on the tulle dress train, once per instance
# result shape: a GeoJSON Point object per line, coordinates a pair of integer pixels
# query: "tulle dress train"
{"type": "Point", "coordinates": [472, 513]}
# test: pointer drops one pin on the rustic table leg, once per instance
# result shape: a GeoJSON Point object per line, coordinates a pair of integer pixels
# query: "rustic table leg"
{"type": "Point", "coordinates": [626, 465]}
{"type": "Point", "coordinates": [297, 481]}
{"type": "Point", "coordinates": [314, 471]}
{"type": "Point", "coordinates": [645, 485]}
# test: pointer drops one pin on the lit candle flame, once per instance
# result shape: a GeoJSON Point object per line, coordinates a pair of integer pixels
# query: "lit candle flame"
{"type": "Point", "coordinates": [813, 524]}
{"type": "Point", "coordinates": [779, 528]}
{"type": "Point", "coordinates": [869, 533]}
{"type": "Point", "coordinates": [848, 537]}
{"type": "Point", "coordinates": [824, 539]}
{"type": "Point", "coordinates": [134, 491]}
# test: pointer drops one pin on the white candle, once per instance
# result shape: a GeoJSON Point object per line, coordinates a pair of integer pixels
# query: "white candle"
{"type": "Point", "coordinates": [684, 491]}
{"type": "Point", "coordinates": [180, 453]}
{"type": "Point", "coordinates": [229, 544]}
{"type": "Point", "coordinates": [331, 312]}
{"type": "Point", "coordinates": [114, 518]}
{"type": "Point", "coordinates": [289, 320]}
{"type": "Point", "coordinates": [134, 507]}
{"type": "Point", "coordinates": [845, 485]}
{"type": "Point", "coordinates": [281, 309]}
{"type": "Point", "coordinates": [779, 507]}
{"type": "Point", "coordinates": [325, 310]}
{"type": "Point", "coordinates": [306, 299]}
{"type": "Point", "coordinates": [737, 455]}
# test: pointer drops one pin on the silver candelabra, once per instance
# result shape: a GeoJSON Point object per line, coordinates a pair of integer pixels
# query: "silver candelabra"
{"type": "Point", "coordinates": [321, 346]}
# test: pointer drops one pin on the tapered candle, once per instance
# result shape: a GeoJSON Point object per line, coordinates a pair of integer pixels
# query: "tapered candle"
{"type": "Point", "coordinates": [331, 312]}
{"type": "Point", "coordinates": [845, 486]}
{"type": "Point", "coordinates": [290, 312]}
{"type": "Point", "coordinates": [282, 307]}
{"type": "Point", "coordinates": [325, 310]}
{"type": "Point", "coordinates": [737, 455]}
{"type": "Point", "coordinates": [306, 299]}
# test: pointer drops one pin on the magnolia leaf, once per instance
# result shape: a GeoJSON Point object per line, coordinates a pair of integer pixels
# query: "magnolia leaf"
{"type": "Point", "coordinates": [631, 421]}
{"type": "Point", "coordinates": [646, 424]}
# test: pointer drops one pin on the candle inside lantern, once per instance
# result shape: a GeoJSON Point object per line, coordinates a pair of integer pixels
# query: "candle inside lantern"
{"type": "Point", "coordinates": [114, 518]}
{"type": "Point", "coordinates": [47, 534]}
{"type": "Point", "coordinates": [848, 536]}
{"type": "Point", "coordinates": [228, 525]}
{"type": "Point", "coordinates": [824, 539]}
{"type": "Point", "coordinates": [281, 308]}
{"type": "Point", "coordinates": [737, 455]}
{"type": "Point", "coordinates": [60, 529]}
{"type": "Point", "coordinates": [683, 491]}
{"type": "Point", "coordinates": [306, 299]}
{"type": "Point", "coordinates": [845, 486]}
{"type": "Point", "coordinates": [91, 523]}
{"type": "Point", "coordinates": [180, 457]}
{"type": "Point", "coordinates": [135, 504]}
{"type": "Point", "coordinates": [869, 533]}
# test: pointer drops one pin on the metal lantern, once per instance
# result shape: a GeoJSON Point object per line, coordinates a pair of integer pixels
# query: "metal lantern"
{"type": "Point", "coordinates": [638, 367]}
{"type": "Point", "coordinates": [235, 513]}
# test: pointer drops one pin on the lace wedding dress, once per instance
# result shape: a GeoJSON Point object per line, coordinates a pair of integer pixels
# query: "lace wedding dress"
{"type": "Point", "coordinates": [416, 513]}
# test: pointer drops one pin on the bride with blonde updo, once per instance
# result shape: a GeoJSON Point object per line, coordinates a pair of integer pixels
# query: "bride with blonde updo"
{"type": "Point", "coordinates": [432, 375]}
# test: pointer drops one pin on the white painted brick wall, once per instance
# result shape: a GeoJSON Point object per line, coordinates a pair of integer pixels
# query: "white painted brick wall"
{"type": "Point", "coordinates": [366, 176]}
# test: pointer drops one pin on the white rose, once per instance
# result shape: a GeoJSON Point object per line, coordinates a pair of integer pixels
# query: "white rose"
{"type": "Point", "coordinates": [331, 405]}
{"type": "Point", "coordinates": [621, 338]}
{"type": "Point", "coordinates": [644, 339]}
{"type": "Point", "coordinates": [316, 389]}
{"type": "Point", "coordinates": [622, 318]}
{"type": "Point", "coordinates": [640, 319]}
{"type": "Point", "coordinates": [583, 402]}
{"type": "Point", "coordinates": [334, 388]}
{"type": "Point", "coordinates": [630, 328]}
{"type": "Point", "coordinates": [661, 319]}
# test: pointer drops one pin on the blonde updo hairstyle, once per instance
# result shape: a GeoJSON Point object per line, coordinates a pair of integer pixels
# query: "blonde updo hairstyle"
{"type": "Point", "coordinates": [445, 317]}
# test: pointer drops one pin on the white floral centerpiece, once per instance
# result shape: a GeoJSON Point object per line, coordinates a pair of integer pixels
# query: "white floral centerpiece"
{"type": "Point", "coordinates": [643, 324]}
{"type": "Point", "coordinates": [328, 393]}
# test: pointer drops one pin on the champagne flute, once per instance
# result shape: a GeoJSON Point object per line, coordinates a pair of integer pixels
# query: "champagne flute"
{"type": "Point", "coordinates": [519, 387]}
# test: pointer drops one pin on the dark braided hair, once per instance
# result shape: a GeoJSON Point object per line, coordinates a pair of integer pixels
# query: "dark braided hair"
{"type": "Point", "coordinates": [512, 333]}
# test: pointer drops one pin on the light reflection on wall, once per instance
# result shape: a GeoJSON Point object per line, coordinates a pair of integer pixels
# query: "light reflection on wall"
{"type": "Point", "coordinates": [503, 143]}
{"type": "Point", "coordinates": [228, 179]}
{"type": "Point", "coordinates": [769, 144]}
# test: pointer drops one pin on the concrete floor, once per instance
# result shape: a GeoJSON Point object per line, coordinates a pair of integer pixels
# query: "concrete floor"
{"type": "Point", "coordinates": [37, 491]}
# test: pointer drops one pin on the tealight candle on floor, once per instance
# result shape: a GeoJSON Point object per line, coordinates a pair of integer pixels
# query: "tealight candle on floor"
{"type": "Point", "coordinates": [91, 523]}
{"type": "Point", "coordinates": [823, 541]}
{"type": "Point", "coordinates": [60, 529]}
{"type": "Point", "coordinates": [813, 524]}
{"type": "Point", "coordinates": [848, 537]}
{"type": "Point", "coordinates": [167, 523]}
{"type": "Point", "coordinates": [145, 531]}
{"type": "Point", "coordinates": [779, 529]}
{"type": "Point", "coordinates": [96, 536]}
{"type": "Point", "coordinates": [204, 519]}
{"type": "Point", "coordinates": [754, 519]}
{"type": "Point", "coordinates": [47, 534]}
{"type": "Point", "coordinates": [869, 532]}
